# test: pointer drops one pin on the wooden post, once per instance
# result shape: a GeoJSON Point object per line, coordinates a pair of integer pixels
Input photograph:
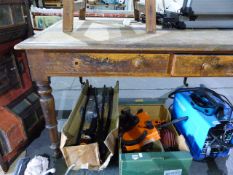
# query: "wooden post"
{"type": "Point", "coordinates": [82, 11]}
{"type": "Point", "coordinates": [150, 16]}
{"type": "Point", "coordinates": [68, 13]}
{"type": "Point", "coordinates": [136, 12]}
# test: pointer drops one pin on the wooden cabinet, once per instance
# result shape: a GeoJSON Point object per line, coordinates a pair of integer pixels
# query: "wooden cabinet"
{"type": "Point", "coordinates": [9, 73]}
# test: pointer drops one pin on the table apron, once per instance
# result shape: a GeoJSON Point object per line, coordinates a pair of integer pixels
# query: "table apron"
{"type": "Point", "coordinates": [52, 63]}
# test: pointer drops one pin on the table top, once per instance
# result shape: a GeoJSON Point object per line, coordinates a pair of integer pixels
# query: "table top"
{"type": "Point", "coordinates": [117, 34]}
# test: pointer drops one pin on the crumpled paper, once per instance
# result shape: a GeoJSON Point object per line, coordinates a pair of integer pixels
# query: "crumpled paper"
{"type": "Point", "coordinates": [37, 166]}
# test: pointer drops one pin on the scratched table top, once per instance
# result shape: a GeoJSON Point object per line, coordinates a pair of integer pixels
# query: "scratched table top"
{"type": "Point", "coordinates": [120, 34]}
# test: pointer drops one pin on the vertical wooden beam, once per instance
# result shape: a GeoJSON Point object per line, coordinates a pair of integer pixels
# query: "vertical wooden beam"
{"type": "Point", "coordinates": [68, 13]}
{"type": "Point", "coordinates": [136, 12]}
{"type": "Point", "coordinates": [82, 11]}
{"type": "Point", "coordinates": [150, 16]}
{"type": "Point", "coordinates": [48, 108]}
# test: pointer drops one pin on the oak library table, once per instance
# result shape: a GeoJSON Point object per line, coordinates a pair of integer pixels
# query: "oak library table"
{"type": "Point", "coordinates": [105, 47]}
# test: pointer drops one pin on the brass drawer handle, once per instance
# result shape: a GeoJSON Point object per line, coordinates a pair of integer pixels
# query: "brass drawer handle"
{"type": "Point", "coordinates": [137, 63]}
{"type": "Point", "coordinates": [206, 66]}
{"type": "Point", "coordinates": [106, 60]}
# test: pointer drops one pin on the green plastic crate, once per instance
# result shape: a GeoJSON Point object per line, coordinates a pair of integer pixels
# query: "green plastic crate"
{"type": "Point", "coordinates": [153, 163]}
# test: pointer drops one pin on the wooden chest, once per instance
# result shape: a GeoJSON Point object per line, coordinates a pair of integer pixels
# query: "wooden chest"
{"type": "Point", "coordinates": [12, 134]}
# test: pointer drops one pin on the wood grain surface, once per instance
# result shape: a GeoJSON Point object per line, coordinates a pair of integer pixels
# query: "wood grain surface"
{"type": "Point", "coordinates": [202, 65]}
{"type": "Point", "coordinates": [150, 16]}
{"type": "Point", "coordinates": [55, 63]}
{"type": "Point", "coordinates": [68, 10]}
{"type": "Point", "coordinates": [107, 64]}
{"type": "Point", "coordinates": [63, 63]}
{"type": "Point", "coordinates": [107, 34]}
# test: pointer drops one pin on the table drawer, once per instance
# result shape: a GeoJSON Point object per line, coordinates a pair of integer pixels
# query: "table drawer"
{"type": "Point", "coordinates": [100, 64]}
{"type": "Point", "coordinates": [202, 65]}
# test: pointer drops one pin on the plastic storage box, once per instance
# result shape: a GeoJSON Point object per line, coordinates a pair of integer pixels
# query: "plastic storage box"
{"type": "Point", "coordinates": [151, 163]}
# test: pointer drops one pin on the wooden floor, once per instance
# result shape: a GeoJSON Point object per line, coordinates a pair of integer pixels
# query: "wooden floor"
{"type": "Point", "coordinates": [112, 34]}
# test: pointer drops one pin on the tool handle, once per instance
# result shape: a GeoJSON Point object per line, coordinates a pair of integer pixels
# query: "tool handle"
{"type": "Point", "coordinates": [173, 122]}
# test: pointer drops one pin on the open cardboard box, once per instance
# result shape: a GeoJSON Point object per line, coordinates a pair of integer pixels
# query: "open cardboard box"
{"type": "Point", "coordinates": [157, 162]}
{"type": "Point", "coordinates": [88, 156]}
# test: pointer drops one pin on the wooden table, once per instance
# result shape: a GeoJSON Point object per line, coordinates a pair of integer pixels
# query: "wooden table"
{"type": "Point", "coordinates": [105, 47]}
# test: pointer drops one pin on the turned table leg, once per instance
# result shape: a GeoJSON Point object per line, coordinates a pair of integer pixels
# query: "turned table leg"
{"type": "Point", "coordinates": [48, 108]}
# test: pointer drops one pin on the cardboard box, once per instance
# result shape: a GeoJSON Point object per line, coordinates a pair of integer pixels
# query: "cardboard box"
{"type": "Point", "coordinates": [151, 163]}
{"type": "Point", "coordinates": [88, 156]}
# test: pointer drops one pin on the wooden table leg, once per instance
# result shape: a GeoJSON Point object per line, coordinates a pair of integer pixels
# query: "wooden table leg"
{"type": "Point", "coordinates": [68, 15]}
{"type": "Point", "coordinates": [136, 12]}
{"type": "Point", "coordinates": [150, 16]}
{"type": "Point", "coordinates": [48, 108]}
{"type": "Point", "coordinates": [82, 11]}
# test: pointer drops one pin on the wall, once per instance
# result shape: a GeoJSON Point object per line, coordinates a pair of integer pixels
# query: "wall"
{"type": "Point", "coordinates": [66, 90]}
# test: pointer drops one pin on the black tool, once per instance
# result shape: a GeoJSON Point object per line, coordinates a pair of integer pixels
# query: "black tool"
{"type": "Point", "coordinates": [173, 122]}
{"type": "Point", "coordinates": [99, 128]}
{"type": "Point", "coordinates": [127, 120]}
{"type": "Point", "coordinates": [83, 117]}
{"type": "Point", "coordinates": [110, 104]}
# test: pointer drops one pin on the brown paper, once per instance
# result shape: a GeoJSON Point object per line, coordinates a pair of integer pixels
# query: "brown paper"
{"type": "Point", "coordinates": [87, 156]}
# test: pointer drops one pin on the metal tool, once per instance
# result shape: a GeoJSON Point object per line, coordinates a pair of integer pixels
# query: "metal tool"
{"type": "Point", "coordinates": [94, 126]}
{"type": "Point", "coordinates": [141, 130]}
